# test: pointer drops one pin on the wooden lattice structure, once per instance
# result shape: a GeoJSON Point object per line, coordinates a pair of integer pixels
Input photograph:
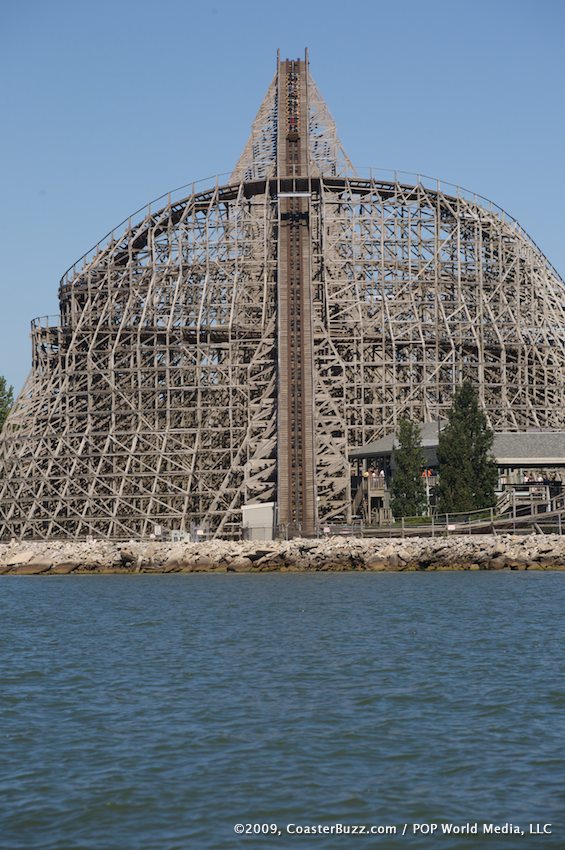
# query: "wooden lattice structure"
{"type": "Point", "coordinates": [232, 345]}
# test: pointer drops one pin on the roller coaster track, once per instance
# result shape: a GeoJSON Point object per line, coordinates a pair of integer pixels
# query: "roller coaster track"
{"type": "Point", "coordinates": [296, 448]}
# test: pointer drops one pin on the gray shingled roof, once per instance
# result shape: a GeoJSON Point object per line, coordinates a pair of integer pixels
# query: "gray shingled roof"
{"type": "Point", "coordinates": [384, 446]}
{"type": "Point", "coordinates": [510, 447]}
{"type": "Point", "coordinates": [530, 446]}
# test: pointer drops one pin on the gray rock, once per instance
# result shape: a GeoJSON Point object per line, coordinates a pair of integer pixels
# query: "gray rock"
{"type": "Point", "coordinates": [34, 568]}
{"type": "Point", "coordinates": [64, 568]}
{"type": "Point", "coordinates": [240, 565]}
{"type": "Point", "coordinates": [22, 556]}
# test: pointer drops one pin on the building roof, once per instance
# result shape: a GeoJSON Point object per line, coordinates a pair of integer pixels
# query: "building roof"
{"type": "Point", "coordinates": [384, 446]}
{"type": "Point", "coordinates": [532, 447]}
{"type": "Point", "coordinates": [510, 448]}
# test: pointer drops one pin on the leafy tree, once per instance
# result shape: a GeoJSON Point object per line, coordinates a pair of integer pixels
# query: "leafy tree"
{"type": "Point", "coordinates": [467, 469]}
{"type": "Point", "coordinates": [6, 400]}
{"type": "Point", "coordinates": [408, 493]}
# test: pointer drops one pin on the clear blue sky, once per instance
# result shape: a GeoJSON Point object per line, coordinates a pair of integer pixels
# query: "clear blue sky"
{"type": "Point", "coordinates": [110, 103]}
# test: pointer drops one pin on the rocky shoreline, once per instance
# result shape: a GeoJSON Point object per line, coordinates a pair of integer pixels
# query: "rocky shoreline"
{"type": "Point", "coordinates": [335, 554]}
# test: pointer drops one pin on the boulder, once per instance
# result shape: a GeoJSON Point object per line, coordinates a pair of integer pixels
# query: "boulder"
{"type": "Point", "coordinates": [23, 556]}
{"type": "Point", "coordinates": [169, 567]}
{"type": "Point", "coordinates": [260, 554]}
{"type": "Point", "coordinates": [34, 568]}
{"type": "Point", "coordinates": [269, 561]}
{"type": "Point", "coordinates": [375, 560]}
{"type": "Point", "coordinates": [64, 568]}
{"type": "Point", "coordinates": [499, 563]}
{"type": "Point", "coordinates": [127, 557]}
{"type": "Point", "coordinates": [239, 564]}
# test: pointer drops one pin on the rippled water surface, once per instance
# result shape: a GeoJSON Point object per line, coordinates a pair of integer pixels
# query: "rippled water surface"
{"type": "Point", "coordinates": [156, 712]}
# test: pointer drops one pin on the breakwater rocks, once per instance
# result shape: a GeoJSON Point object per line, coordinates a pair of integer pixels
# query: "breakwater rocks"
{"type": "Point", "coordinates": [485, 552]}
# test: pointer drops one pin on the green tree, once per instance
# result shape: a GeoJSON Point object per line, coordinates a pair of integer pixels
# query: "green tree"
{"type": "Point", "coordinates": [408, 493]}
{"type": "Point", "coordinates": [6, 400]}
{"type": "Point", "coordinates": [467, 469]}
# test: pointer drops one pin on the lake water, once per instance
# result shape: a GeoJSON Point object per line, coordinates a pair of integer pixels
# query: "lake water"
{"type": "Point", "coordinates": [156, 712]}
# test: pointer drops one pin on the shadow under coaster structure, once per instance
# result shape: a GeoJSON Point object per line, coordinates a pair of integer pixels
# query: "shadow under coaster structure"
{"type": "Point", "coordinates": [231, 346]}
